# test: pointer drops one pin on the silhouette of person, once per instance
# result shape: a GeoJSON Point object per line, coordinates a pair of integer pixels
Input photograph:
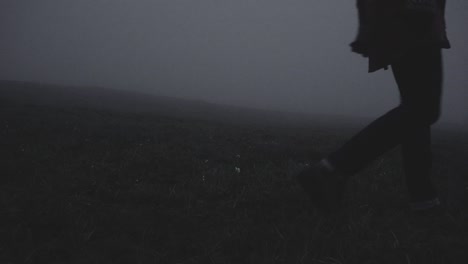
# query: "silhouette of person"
{"type": "Point", "coordinates": [408, 36]}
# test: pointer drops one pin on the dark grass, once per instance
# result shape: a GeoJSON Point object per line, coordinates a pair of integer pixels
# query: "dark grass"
{"type": "Point", "coordinates": [94, 186]}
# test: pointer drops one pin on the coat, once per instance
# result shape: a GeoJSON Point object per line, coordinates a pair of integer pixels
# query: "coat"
{"type": "Point", "coordinates": [388, 28]}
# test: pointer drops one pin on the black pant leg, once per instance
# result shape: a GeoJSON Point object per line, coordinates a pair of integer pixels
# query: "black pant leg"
{"type": "Point", "coordinates": [418, 76]}
{"type": "Point", "coordinates": [419, 79]}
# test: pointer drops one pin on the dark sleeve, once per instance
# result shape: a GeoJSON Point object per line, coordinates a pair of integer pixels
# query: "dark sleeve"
{"type": "Point", "coordinates": [363, 12]}
{"type": "Point", "coordinates": [361, 44]}
{"type": "Point", "coordinates": [422, 9]}
{"type": "Point", "coordinates": [420, 15]}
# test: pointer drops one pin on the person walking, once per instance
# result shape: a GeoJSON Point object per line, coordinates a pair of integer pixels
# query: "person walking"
{"type": "Point", "coordinates": [408, 36]}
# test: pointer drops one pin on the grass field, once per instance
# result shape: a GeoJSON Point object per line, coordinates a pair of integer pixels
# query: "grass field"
{"type": "Point", "coordinates": [84, 185]}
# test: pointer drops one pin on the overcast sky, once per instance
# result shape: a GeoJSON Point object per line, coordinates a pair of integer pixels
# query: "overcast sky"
{"type": "Point", "coordinates": [286, 55]}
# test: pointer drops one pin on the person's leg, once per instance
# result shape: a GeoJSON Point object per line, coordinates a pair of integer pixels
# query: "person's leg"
{"type": "Point", "coordinates": [325, 181]}
{"type": "Point", "coordinates": [420, 82]}
{"type": "Point", "coordinates": [418, 75]}
{"type": "Point", "coordinates": [417, 165]}
{"type": "Point", "coordinates": [382, 134]}
{"type": "Point", "coordinates": [419, 105]}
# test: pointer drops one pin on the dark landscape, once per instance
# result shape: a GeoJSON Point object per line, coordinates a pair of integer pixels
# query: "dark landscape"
{"type": "Point", "coordinates": [95, 175]}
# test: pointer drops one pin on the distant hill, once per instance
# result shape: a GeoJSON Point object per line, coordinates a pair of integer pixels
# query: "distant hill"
{"type": "Point", "coordinates": [29, 93]}
{"type": "Point", "coordinates": [44, 94]}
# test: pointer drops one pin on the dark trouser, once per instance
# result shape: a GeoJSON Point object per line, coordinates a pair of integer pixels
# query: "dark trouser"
{"type": "Point", "coordinates": [419, 78]}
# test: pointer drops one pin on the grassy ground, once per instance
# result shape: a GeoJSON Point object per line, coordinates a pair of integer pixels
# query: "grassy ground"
{"type": "Point", "coordinates": [88, 186]}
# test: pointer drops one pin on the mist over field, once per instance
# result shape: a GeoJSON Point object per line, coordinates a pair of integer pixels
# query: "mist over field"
{"type": "Point", "coordinates": [269, 54]}
{"type": "Point", "coordinates": [173, 131]}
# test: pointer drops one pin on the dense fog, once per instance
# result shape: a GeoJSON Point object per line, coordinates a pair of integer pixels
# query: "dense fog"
{"type": "Point", "coordinates": [287, 55]}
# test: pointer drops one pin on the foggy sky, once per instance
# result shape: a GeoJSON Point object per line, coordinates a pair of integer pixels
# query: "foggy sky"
{"type": "Point", "coordinates": [287, 55]}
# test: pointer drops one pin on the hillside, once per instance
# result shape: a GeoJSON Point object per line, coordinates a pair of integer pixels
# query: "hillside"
{"type": "Point", "coordinates": [28, 93]}
{"type": "Point", "coordinates": [103, 176]}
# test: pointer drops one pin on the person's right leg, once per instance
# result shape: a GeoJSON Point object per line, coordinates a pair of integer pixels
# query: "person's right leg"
{"type": "Point", "coordinates": [417, 165]}
{"type": "Point", "coordinates": [420, 83]}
